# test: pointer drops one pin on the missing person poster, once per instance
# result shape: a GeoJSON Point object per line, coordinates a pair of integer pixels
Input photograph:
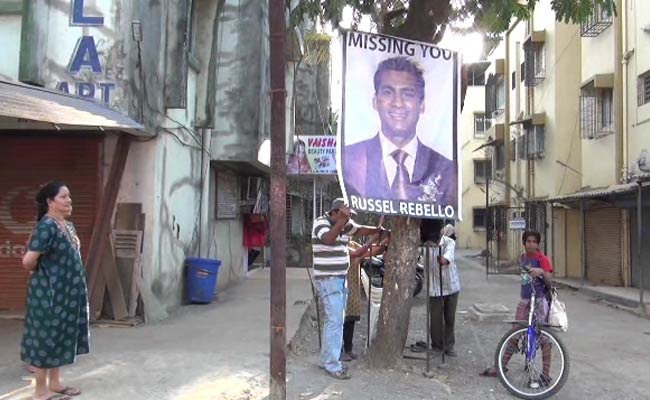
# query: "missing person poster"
{"type": "Point", "coordinates": [313, 155]}
{"type": "Point", "coordinates": [399, 133]}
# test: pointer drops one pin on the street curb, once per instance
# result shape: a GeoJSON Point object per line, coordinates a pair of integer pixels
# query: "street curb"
{"type": "Point", "coordinates": [622, 303]}
{"type": "Point", "coordinates": [306, 322]}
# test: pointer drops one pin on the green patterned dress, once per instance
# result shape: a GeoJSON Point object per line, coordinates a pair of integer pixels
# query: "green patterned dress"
{"type": "Point", "coordinates": [56, 322]}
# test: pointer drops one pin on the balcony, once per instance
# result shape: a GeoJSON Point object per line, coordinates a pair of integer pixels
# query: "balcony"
{"type": "Point", "coordinates": [600, 20]}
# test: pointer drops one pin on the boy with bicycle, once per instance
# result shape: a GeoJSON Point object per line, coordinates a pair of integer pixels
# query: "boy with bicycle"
{"type": "Point", "coordinates": [534, 266]}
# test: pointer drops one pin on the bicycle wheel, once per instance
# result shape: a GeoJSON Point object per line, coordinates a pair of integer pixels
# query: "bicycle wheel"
{"type": "Point", "coordinates": [537, 376]}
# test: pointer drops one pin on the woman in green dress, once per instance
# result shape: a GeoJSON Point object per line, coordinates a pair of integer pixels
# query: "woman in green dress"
{"type": "Point", "coordinates": [56, 322]}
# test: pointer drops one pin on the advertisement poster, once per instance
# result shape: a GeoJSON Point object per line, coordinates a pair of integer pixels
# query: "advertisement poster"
{"type": "Point", "coordinates": [313, 155]}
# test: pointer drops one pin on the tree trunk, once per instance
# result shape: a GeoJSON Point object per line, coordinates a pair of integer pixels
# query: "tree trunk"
{"type": "Point", "coordinates": [399, 282]}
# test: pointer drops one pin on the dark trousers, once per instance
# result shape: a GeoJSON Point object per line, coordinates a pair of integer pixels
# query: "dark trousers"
{"type": "Point", "coordinates": [439, 307]}
{"type": "Point", "coordinates": [348, 334]}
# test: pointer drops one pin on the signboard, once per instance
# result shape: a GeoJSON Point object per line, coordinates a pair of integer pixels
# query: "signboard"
{"type": "Point", "coordinates": [518, 224]}
{"type": "Point", "coordinates": [399, 134]}
{"type": "Point", "coordinates": [313, 155]}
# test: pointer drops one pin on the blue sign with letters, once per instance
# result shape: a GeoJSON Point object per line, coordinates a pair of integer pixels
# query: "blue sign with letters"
{"type": "Point", "coordinates": [85, 56]}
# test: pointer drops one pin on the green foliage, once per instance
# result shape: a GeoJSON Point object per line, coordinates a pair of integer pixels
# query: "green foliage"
{"type": "Point", "coordinates": [491, 17]}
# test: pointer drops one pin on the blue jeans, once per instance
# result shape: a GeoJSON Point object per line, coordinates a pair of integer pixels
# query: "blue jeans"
{"type": "Point", "coordinates": [332, 293]}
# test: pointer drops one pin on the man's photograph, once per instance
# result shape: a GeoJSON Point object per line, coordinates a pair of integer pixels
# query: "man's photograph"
{"type": "Point", "coordinates": [398, 137]}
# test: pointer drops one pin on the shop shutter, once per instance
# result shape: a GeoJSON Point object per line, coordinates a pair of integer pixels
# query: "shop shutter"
{"type": "Point", "coordinates": [27, 162]}
{"type": "Point", "coordinates": [604, 246]}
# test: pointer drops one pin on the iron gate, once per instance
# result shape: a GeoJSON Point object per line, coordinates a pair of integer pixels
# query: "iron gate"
{"type": "Point", "coordinates": [505, 226]}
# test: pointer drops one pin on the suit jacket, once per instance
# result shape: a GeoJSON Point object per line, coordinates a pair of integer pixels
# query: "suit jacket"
{"type": "Point", "coordinates": [434, 176]}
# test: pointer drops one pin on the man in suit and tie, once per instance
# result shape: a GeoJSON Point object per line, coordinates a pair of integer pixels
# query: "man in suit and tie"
{"type": "Point", "coordinates": [394, 164]}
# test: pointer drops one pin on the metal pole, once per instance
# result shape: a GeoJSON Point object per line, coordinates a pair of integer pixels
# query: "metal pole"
{"type": "Point", "coordinates": [427, 260]}
{"type": "Point", "coordinates": [583, 261]}
{"type": "Point", "coordinates": [278, 365]}
{"type": "Point", "coordinates": [553, 237]}
{"type": "Point", "coordinates": [639, 232]}
{"type": "Point", "coordinates": [442, 314]}
{"type": "Point", "coordinates": [487, 227]}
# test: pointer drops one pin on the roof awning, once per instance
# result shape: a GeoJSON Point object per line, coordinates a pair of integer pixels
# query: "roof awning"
{"type": "Point", "coordinates": [244, 167]}
{"type": "Point", "coordinates": [35, 104]}
{"type": "Point", "coordinates": [491, 142]}
{"type": "Point", "coordinates": [535, 119]}
{"type": "Point", "coordinates": [596, 193]}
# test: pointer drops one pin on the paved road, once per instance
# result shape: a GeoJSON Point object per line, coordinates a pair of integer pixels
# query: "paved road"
{"type": "Point", "coordinates": [609, 350]}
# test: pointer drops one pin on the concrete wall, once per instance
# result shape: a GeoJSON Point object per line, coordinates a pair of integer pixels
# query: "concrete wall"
{"type": "Point", "coordinates": [639, 63]}
{"type": "Point", "coordinates": [241, 66]}
{"type": "Point", "coordinates": [566, 251]}
{"type": "Point", "coordinates": [222, 85]}
{"type": "Point", "coordinates": [473, 196]}
{"type": "Point", "coordinates": [10, 27]}
{"type": "Point", "coordinates": [558, 97]}
{"type": "Point", "coordinates": [599, 168]}
{"type": "Point", "coordinates": [565, 144]}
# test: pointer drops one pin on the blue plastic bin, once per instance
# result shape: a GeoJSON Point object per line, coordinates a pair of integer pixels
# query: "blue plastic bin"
{"type": "Point", "coordinates": [201, 279]}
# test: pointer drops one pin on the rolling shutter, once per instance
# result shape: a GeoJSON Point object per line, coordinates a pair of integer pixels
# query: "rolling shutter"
{"type": "Point", "coordinates": [27, 162]}
{"type": "Point", "coordinates": [604, 246]}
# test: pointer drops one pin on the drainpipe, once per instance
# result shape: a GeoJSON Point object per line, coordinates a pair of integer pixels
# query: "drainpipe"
{"type": "Point", "coordinates": [618, 94]}
{"type": "Point", "coordinates": [583, 261]}
{"type": "Point", "coordinates": [204, 209]}
{"type": "Point", "coordinates": [639, 240]}
{"type": "Point", "coordinates": [625, 60]}
{"type": "Point", "coordinates": [506, 133]}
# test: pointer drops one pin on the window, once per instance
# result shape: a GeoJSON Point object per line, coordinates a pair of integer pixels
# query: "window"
{"type": "Point", "coordinates": [513, 150]}
{"type": "Point", "coordinates": [478, 218]}
{"type": "Point", "coordinates": [522, 71]}
{"type": "Point", "coordinates": [501, 94]}
{"type": "Point", "coordinates": [535, 60]}
{"type": "Point", "coordinates": [499, 161]}
{"type": "Point", "coordinates": [644, 88]}
{"type": "Point", "coordinates": [514, 80]}
{"type": "Point", "coordinates": [596, 23]}
{"type": "Point", "coordinates": [481, 125]}
{"type": "Point", "coordinates": [521, 147]}
{"type": "Point", "coordinates": [476, 78]}
{"type": "Point", "coordinates": [596, 112]}
{"type": "Point", "coordinates": [535, 142]}
{"type": "Point", "coordinates": [481, 170]}
{"type": "Point", "coordinates": [495, 97]}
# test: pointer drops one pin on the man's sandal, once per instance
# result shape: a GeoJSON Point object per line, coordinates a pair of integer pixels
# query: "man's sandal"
{"type": "Point", "coordinates": [342, 374]}
{"type": "Point", "coordinates": [68, 391]}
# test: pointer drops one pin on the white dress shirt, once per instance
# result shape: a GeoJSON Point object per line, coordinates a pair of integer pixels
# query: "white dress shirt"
{"type": "Point", "coordinates": [387, 148]}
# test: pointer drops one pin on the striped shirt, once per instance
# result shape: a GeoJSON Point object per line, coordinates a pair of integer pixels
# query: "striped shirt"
{"type": "Point", "coordinates": [331, 259]}
{"type": "Point", "coordinates": [450, 277]}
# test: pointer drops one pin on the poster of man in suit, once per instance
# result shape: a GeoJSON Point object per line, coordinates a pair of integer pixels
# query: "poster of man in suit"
{"type": "Point", "coordinates": [399, 148]}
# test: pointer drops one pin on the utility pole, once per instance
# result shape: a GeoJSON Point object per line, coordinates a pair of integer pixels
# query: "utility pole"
{"type": "Point", "coordinates": [278, 384]}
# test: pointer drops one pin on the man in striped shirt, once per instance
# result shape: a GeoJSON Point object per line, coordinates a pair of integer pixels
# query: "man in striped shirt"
{"type": "Point", "coordinates": [330, 235]}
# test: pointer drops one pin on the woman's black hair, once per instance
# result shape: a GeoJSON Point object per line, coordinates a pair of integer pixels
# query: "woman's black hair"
{"type": "Point", "coordinates": [48, 191]}
{"type": "Point", "coordinates": [530, 233]}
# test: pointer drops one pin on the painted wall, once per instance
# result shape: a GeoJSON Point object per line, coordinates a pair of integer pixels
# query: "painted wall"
{"type": "Point", "coordinates": [565, 143]}
{"type": "Point", "coordinates": [566, 251]}
{"type": "Point", "coordinates": [598, 165]}
{"type": "Point", "coordinates": [473, 196]}
{"type": "Point", "coordinates": [639, 63]}
{"type": "Point", "coordinates": [164, 174]}
{"type": "Point", "coordinates": [241, 60]}
{"type": "Point", "coordinates": [558, 97]}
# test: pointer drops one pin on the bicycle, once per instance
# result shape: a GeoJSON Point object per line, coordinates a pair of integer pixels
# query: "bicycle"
{"type": "Point", "coordinates": [518, 359]}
